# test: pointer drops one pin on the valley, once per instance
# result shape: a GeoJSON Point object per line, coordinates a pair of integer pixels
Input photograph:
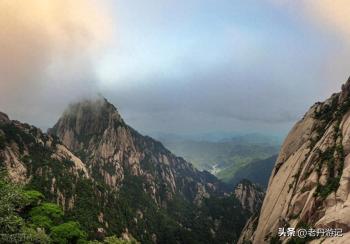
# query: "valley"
{"type": "Point", "coordinates": [225, 158]}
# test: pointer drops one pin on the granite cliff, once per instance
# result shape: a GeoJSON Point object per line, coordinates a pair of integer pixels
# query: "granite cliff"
{"type": "Point", "coordinates": [309, 186]}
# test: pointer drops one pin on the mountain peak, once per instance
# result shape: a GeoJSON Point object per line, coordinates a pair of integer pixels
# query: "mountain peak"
{"type": "Point", "coordinates": [110, 178]}
{"type": "Point", "coordinates": [93, 105]}
{"type": "Point", "coordinates": [85, 119]}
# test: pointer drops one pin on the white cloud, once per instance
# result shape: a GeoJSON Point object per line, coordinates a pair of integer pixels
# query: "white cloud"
{"type": "Point", "coordinates": [47, 49]}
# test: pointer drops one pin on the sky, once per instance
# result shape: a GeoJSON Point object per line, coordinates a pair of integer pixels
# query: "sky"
{"type": "Point", "coordinates": [181, 67]}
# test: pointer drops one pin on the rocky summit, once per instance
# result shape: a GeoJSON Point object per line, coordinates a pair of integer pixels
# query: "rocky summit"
{"type": "Point", "coordinates": [115, 181]}
{"type": "Point", "coordinates": [309, 186]}
{"type": "Point", "coordinates": [95, 131]}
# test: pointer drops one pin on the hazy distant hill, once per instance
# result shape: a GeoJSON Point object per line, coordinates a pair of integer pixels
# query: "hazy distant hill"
{"type": "Point", "coordinates": [258, 171]}
{"type": "Point", "coordinates": [225, 157]}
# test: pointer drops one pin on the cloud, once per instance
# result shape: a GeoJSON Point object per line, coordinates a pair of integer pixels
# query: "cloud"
{"type": "Point", "coordinates": [179, 67]}
{"type": "Point", "coordinates": [333, 14]}
{"type": "Point", "coordinates": [47, 49]}
{"type": "Point", "coordinates": [330, 15]}
{"type": "Point", "coordinates": [331, 19]}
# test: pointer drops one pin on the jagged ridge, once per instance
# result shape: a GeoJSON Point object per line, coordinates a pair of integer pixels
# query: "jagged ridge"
{"type": "Point", "coordinates": [114, 180]}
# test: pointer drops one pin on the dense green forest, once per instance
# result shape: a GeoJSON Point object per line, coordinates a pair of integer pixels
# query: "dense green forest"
{"type": "Point", "coordinates": [27, 218]}
{"type": "Point", "coordinates": [159, 198]}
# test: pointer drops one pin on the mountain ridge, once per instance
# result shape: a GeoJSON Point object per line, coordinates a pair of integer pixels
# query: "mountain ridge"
{"type": "Point", "coordinates": [114, 143]}
{"type": "Point", "coordinates": [112, 179]}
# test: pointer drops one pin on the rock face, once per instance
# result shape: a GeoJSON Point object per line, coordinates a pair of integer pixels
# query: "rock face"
{"type": "Point", "coordinates": [95, 131]}
{"type": "Point", "coordinates": [113, 180]}
{"type": "Point", "coordinates": [248, 232]}
{"type": "Point", "coordinates": [250, 196]}
{"type": "Point", "coordinates": [29, 155]}
{"type": "Point", "coordinates": [310, 182]}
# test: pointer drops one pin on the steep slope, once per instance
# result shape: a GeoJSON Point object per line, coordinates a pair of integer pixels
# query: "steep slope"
{"type": "Point", "coordinates": [309, 185]}
{"type": "Point", "coordinates": [118, 182]}
{"type": "Point", "coordinates": [34, 158]}
{"type": "Point", "coordinates": [41, 162]}
{"type": "Point", "coordinates": [258, 172]}
{"type": "Point", "coordinates": [95, 131]}
{"type": "Point", "coordinates": [226, 157]}
{"type": "Point", "coordinates": [249, 195]}
{"type": "Point", "coordinates": [146, 190]}
{"type": "Point", "coordinates": [251, 198]}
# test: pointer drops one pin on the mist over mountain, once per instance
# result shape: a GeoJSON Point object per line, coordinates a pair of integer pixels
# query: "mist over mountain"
{"type": "Point", "coordinates": [221, 136]}
{"type": "Point", "coordinates": [188, 143]}
{"type": "Point", "coordinates": [224, 157]}
{"type": "Point", "coordinates": [114, 181]}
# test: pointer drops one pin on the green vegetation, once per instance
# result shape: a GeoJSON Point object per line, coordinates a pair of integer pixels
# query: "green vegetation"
{"type": "Point", "coordinates": [228, 173]}
{"type": "Point", "coordinates": [91, 204]}
{"type": "Point", "coordinates": [2, 141]}
{"type": "Point", "coordinates": [45, 215]}
{"type": "Point", "coordinates": [229, 156]}
{"type": "Point", "coordinates": [331, 186]}
{"type": "Point", "coordinates": [257, 171]}
{"type": "Point", "coordinates": [333, 157]}
{"type": "Point", "coordinates": [14, 205]}
{"type": "Point", "coordinates": [114, 240]}
{"type": "Point", "coordinates": [69, 232]}
{"type": "Point", "coordinates": [50, 210]}
{"type": "Point", "coordinates": [275, 240]}
{"type": "Point", "coordinates": [20, 137]}
{"type": "Point", "coordinates": [25, 218]}
{"type": "Point", "coordinates": [297, 240]}
{"type": "Point", "coordinates": [34, 197]}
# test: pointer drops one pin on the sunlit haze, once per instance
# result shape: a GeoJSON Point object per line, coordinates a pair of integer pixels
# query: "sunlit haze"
{"type": "Point", "coordinates": [174, 66]}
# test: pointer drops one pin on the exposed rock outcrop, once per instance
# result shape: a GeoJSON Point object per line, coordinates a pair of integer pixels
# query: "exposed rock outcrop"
{"type": "Point", "coordinates": [249, 195]}
{"type": "Point", "coordinates": [95, 131]}
{"type": "Point", "coordinates": [310, 183]}
{"type": "Point", "coordinates": [113, 180]}
{"type": "Point", "coordinates": [248, 231]}
{"type": "Point", "coordinates": [28, 154]}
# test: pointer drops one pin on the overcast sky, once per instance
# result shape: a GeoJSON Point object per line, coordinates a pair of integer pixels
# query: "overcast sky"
{"type": "Point", "coordinates": [185, 66]}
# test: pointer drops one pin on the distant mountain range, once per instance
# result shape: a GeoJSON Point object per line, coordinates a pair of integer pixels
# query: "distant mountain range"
{"type": "Point", "coordinates": [257, 171]}
{"type": "Point", "coordinates": [224, 158]}
{"type": "Point", "coordinates": [220, 136]}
